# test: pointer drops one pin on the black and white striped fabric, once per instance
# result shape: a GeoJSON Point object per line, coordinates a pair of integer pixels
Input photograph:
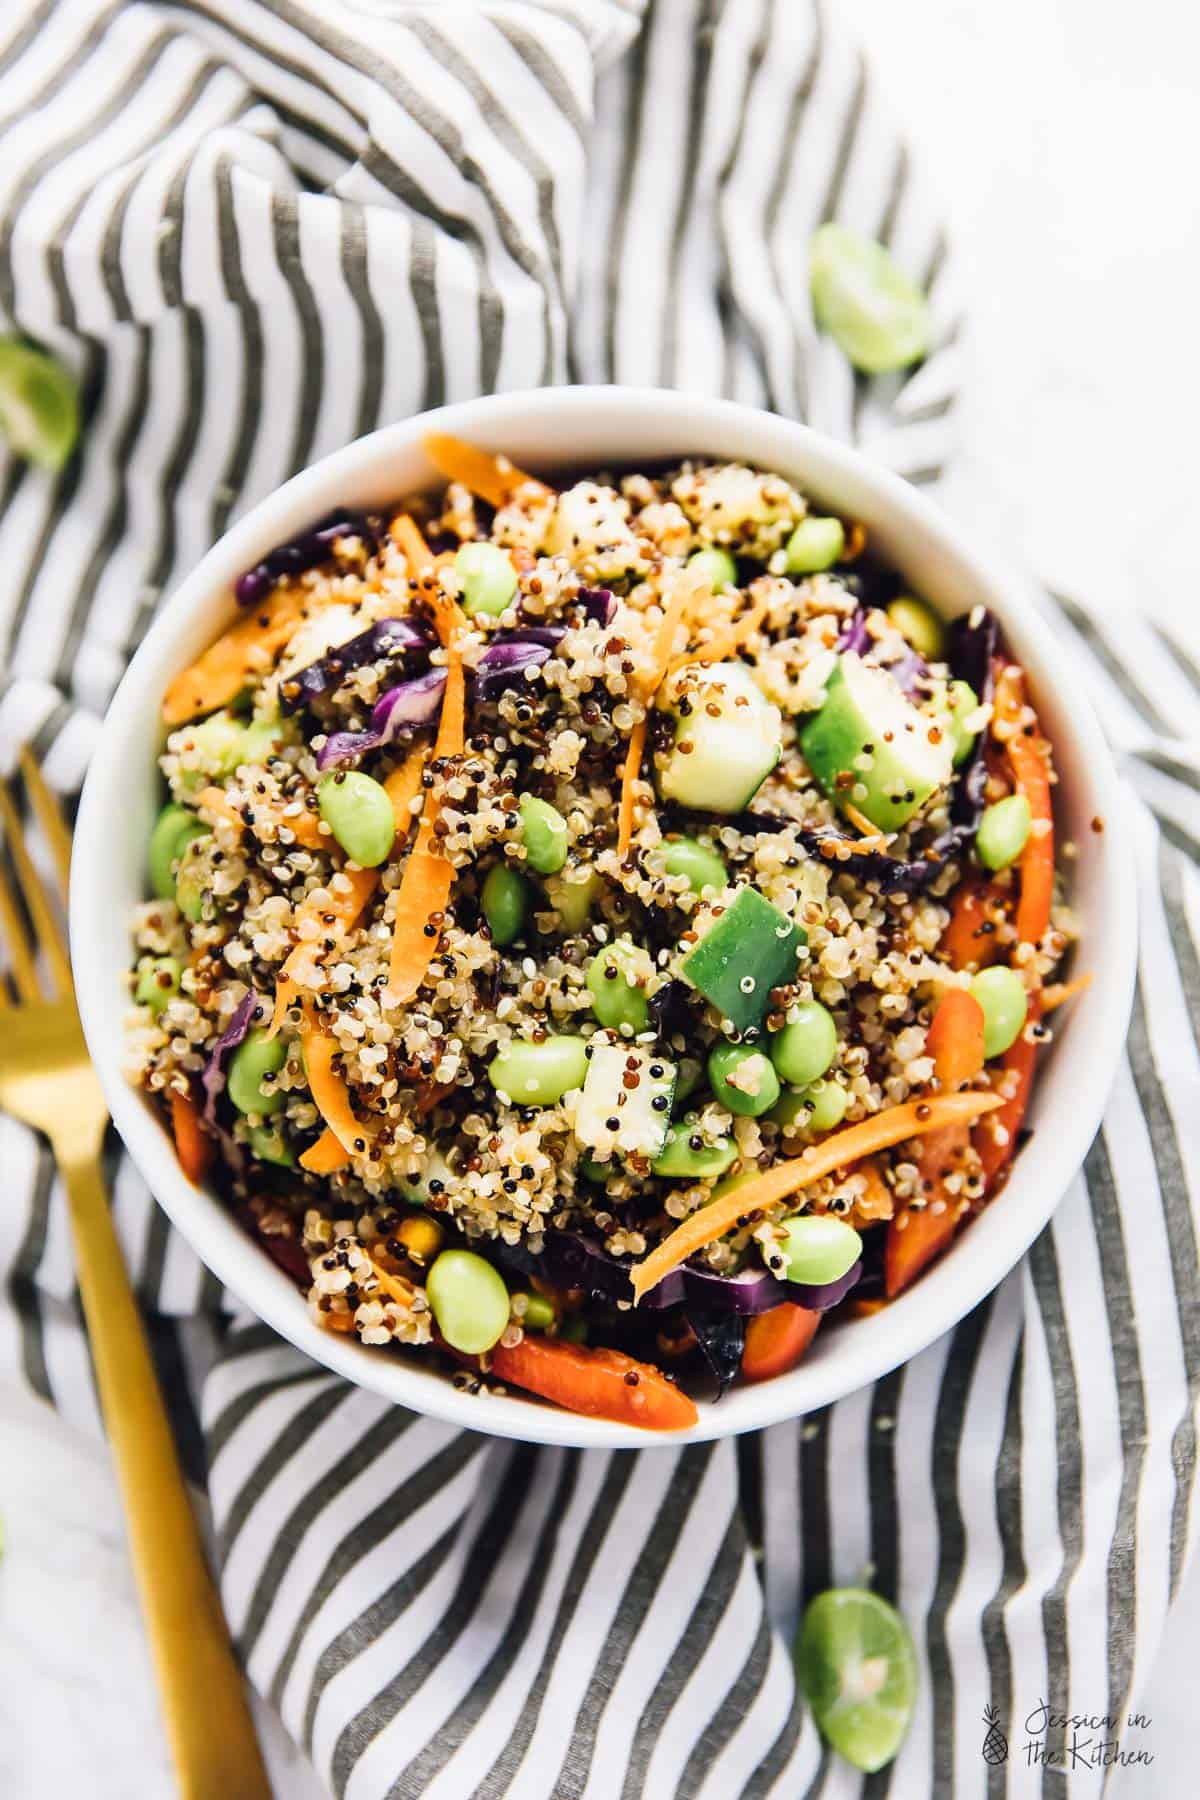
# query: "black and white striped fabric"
{"type": "Point", "coordinates": [258, 230]}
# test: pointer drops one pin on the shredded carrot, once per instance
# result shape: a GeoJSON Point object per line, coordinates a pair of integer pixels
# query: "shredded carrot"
{"type": "Point", "coordinates": [394, 1286]}
{"type": "Point", "coordinates": [727, 641]}
{"type": "Point", "coordinates": [336, 910]}
{"type": "Point", "coordinates": [326, 1156]}
{"type": "Point", "coordinates": [246, 650]}
{"type": "Point", "coordinates": [1029, 759]}
{"type": "Point", "coordinates": [330, 1093]}
{"type": "Point", "coordinates": [839, 1151]}
{"type": "Point", "coordinates": [493, 478]}
{"type": "Point", "coordinates": [432, 1096]}
{"type": "Point", "coordinates": [193, 1146]}
{"type": "Point", "coordinates": [342, 1323]}
{"type": "Point", "coordinates": [630, 771]}
{"type": "Point", "coordinates": [406, 534]}
{"type": "Point", "coordinates": [649, 684]}
{"type": "Point", "coordinates": [855, 544]}
{"type": "Point", "coordinates": [969, 941]}
{"type": "Point", "coordinates": [402, 787]}
{"type": "Point", "coordinates": [1062, 991]}
{"type": "Point", "coordinates": [428, 877]}
{"type": "Point", "coordinates": [304, 826]}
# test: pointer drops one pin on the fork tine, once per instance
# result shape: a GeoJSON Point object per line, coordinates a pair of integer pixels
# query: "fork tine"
{"type": "Point", "coordinates": [12, 934]}
{"type": "Point", "coordinates": [50, 819]}
{"type": "Point", "coordinates": [44, 923]}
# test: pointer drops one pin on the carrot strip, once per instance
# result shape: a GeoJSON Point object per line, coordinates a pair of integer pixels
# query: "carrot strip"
{"type": "Point", "coordinates": [997, 1151]}
{"type": "Point", "coordinates": [337, 911]}
{"type": "Point", "coordinates": [394, 1286]}
{"type": "Point", "coordinates": [330, 1093]}
{"type": "Point", "coordinates": [969, 941]}
{"type": "Point", "coordinates": [955, 1038]}
{"type": "Point", "coordinates": [630, 771]}
{"type": "Point", "coordinates": [838, 1151]}
{"type": "Point", "coordinates": [777, 1339]}
{"type": "Point", "coordinates": [326, 1156]}
{"type": "Point", "coordinates": [402, 787]}
{"type": "Point", "coordinates": [672, 619]}
{"type": "Point", "coordinates": [193, 1146]}
{"type": "Point", "coordinates": [605, 1384]}
{"type": "Point", "coordinates": [428, 877]}
{"type": "Point", "coordinates": [247, 649]}
{"type": "Point", "coordinates": [727, 642]}
{"type": "Point", "coordinates": [406, 534]}
{"type": "Point", "coordinates": [493, 478]}
{"type": "Point", "coordinates": [304, 826]}
{"type": "Point", "coordinates": [1062, 991]}
{"type": "Point", "coordinates": [917, 1234]}
{"type": "Point", "coordinates": [1029, 759]}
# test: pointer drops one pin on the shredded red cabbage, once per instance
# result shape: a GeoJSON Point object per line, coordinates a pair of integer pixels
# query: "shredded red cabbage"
{"type": "Point", "coordinates": [403, 709]}
{"type": "Point", "coordinates": [307, 551]}
{"type": "Point", "coordinates": [213, 1078]}
{"type": "Point", "coordinates": [387, 637]}
{"type": "Point", "coordinates": [505, 664]}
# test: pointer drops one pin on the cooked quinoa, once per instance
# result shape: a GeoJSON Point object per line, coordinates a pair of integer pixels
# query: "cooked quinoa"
{"type": "Point", "coordinates": [679, 607]}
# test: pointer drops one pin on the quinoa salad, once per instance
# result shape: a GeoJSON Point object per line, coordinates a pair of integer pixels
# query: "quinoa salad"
{"type": "Point", "coordinates": [600, 932]}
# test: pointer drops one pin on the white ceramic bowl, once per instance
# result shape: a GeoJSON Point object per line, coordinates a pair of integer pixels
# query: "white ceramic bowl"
{"type": "Point", "coordinates": [546, 430]}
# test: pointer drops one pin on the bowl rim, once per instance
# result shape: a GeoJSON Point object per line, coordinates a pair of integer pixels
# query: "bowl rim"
{"type": "Point", "coordinates": [862, 1353]}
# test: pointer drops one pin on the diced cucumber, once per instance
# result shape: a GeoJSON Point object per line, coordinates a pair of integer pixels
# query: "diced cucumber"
{"type": "Point", "coordinates": [625, 1106]}
{"type": "Point", "coordinates": [750, 949]}
{"type": "Point", "coordinates": [868, 746]}
{"type": "Point", "coordinates": [728, 738]}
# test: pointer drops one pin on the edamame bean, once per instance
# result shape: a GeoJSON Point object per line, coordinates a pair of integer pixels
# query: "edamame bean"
{"type": "Point", "coordinates": [256, 1057]}
{"type": "Point", "coordinates": [818, 1107]}
{"type": "Point", "coordinates": [219, 743]}
{"type": "Point", "coordinates": [544, 835]}
{"type": "Point", "coordinates": [919, 625]}
{"type": "Point", "coordinates": [964, 702]}
{"type": "Point", "coordinates": [594, 1170]}
{"type": "Point", "coordinates": [688, 1071]}
{"type": "Point", "coordinates": [702, 867]}
{"type": "Point", "coordinates": [359, 813]}
{"type": "Point", "coordinates": [616, 981]}
{"type": "Point", "coordinates": [1001, 994]}
{"type": "Point", "coordinates": [157, 981]}
{"type": "Point", "coordinates": [819, 1248]}
{"type": "Point", "coordinates": [1003, 832]}
{"type": "Point", "coordinates": [870, 308]}
{"type": "Point", "coordinates": [687, 1156]}
{"type": "Point", "coordinates": [174, 827]}
{"type": "Point", "coordinates": [539, 1313]}
{"type": "Point", "coordinates": [828, 1101]}
{"type": "Point", "coordinates": [190, 885]}
{"type": "Point", "coordinates": [504, 900]}
{"type": "Point", "coordinates": [815, 544]}
{"type": "Point", "coordinates": [539, 1074]}
{"type": "Point", "coordinates": [806, 1046]}
{"type": "Point", "coordinates": [717, 566]}
{"type": "Point", "coordinates": [469, 1300]}
{"type": "Point", "coordinates": [488, 578]}
{"type": "Point", "coordinates": [573, 895]}
{"type": "Point", "coordinates": [269, 1145]}
{"type": "Point", "coordinates": [743, 1079]}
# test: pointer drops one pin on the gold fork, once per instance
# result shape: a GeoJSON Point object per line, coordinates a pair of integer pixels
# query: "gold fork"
{"type": "Point", "coordinates": [47, 1080]}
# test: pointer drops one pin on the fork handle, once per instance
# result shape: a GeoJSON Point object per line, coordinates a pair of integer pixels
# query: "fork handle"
{"type": "Point", "coordinates": [209, 1727]}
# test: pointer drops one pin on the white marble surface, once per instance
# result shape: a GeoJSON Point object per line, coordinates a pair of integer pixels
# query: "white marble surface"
{"type": "Point", "coordinates": [1064, 138]}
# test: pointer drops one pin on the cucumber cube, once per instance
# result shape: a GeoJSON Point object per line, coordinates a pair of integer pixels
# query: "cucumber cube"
{"type": "Point", "coordinates": [625, 1106]}
{"type": "Point", "coordinates": [749, 950]}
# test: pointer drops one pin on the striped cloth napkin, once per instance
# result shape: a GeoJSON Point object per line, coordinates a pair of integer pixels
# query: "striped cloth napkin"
{"type": "Point", "coordinates": [257, 230]}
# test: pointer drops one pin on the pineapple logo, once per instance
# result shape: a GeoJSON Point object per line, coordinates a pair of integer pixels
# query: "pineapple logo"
{"type": "Point", "coordinates": [995, 1744]}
